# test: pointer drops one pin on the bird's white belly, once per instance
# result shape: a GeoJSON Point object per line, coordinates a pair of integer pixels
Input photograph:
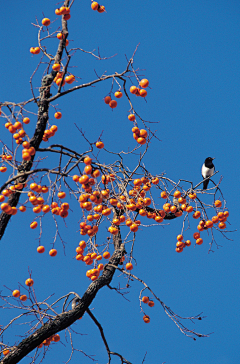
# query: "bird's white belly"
{"type": "Point", "coordinates": [206, 172]}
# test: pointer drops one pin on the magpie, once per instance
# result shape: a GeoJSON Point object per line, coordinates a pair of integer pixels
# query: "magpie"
{"type": "Point", "coordinates": [207, 171]}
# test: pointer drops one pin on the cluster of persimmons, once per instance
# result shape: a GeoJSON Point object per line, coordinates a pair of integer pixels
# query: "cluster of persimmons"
{"type": "Point", "coordinates": [61, 79]}
{"type": "Point", "coordinates": [145, 299]}
{"type": "Point", "coordinates": [23, 297]}
{"type": "Point", "coordinates": [98, 198]}
{"type": "Point", "coordinates": [220, 219]}
{"type": "Point", "coordinates": [96, 189]}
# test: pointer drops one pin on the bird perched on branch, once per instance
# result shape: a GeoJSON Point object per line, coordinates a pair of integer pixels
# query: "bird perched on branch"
{"type": "Point", "coordinates": [207, 171]}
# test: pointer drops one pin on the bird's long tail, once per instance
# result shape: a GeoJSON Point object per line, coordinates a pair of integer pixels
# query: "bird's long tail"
{"type": "Point", "coordinates": [205, 184]}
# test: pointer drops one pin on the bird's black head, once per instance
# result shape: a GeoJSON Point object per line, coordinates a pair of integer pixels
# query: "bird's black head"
{"type": "Point", "coordinates": [209, 159]}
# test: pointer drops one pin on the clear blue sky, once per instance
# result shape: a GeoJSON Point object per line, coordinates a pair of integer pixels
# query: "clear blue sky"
{"type": "Point", "coordinates": [189, 51]}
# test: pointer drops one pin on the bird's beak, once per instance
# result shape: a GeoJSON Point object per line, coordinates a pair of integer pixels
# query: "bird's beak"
{"type": "Point", "coordinates": [213, 158]}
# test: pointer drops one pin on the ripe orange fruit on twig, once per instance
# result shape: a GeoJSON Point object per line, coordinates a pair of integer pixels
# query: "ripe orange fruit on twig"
{"type": "Point", "coordinates": [94, 5]}
{"type": "Point", "coordinates": [101, 9]}
{"type": "Point", "coordinates": [53, 252]}
{"type": "Point", "coordinates": [131, 117]}
{"type": "Point", "coordinates": [133, 89]}
{"type": "Point", "coordinates": [33, 225]}
{"type": "Point", "coordinates": [46, 22]}
{"type": "Point", "coordinates": [29, 282]}
{"type": "Point", "coordinates": [16, 293]}
{"type": "Point", "coordinates": [56, 67]}
{"type": "Point", "coordinates": [218, 203]}
{"type": "Point", "coordinates": [145, 299]}
{"type": "Point", "coordinates": [113, 104]}
{"type": "Point", "coordinates": [129, 266]}
{"type": "Point", "coordinates": [58, 115]}
{"type": "Point", "coordinates": [107, 99]}
{"type": "Point", "coordinates": [99, 145]}
{"type": "Point", "coordinates": [40, 249]}
{"type": "Point", "coordinates": [118, 94]}
{"type": "Point", "coordinates": [146, 319]}
{"type": "Point", "coordinates": [144, 83]}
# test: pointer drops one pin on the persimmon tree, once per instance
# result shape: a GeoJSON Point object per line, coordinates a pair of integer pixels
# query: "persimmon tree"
{"type": "Point", "coordinates": [51, 180]}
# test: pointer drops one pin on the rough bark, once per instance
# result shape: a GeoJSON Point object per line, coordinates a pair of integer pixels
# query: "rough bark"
{"type": "Point", "coordinates": [43, 106]}
{"type": "Point", "coordinates": [65, 319]}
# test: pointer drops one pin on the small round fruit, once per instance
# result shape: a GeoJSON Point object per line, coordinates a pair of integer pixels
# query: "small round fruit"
{"type": "Point", "coordinates": [99, 145]}
{"type": "Point", "coordinates": [180, 244]}
{"type": "Point", "coordinates": [141, 140]}
{"type": "Point", "coordinates": [113, 104]}
{"type": "Point", "coordinates": [29, 282]}
{"type": "Point", "coordinates": [101, 9]}
{"type": "Point", "coordinates": [218, 203]}
{"type": "Point", "coordinates": [58, 115]}
{"type": "Point", "coordinates": [40, 249]}
{"type": "Point", "coordinates": [23, 297]}
{"type": "Point", "coordinates": [192, 196]}
{"type": "Point", "coordinates": [134, 228]}
{"type": "Point", "coordinates": [46, 209]}
{"type": "Point", "coordinates": [164, 194]}
{"type": "Point", "coordinates": [61, 195]}
{"type": "Point", "coordinates": [177, 194]}
{"type": "Point", "coordinates": [129, 266]}
{"type": "Point", "coordinates": [53, 252]}
{"type": "Point", "coordinates": [215, 219]}
{"type": "Point", "coordinates": [33, 225]}
{"type": "Point", "coordinates": [67, 16]}
{"type": "Point", "coordinates": [151, 303]}
{"type": "Point", "coordinates": [146, 319]}
{"type": "Point", "coordinates": [56, 338]}
{"type": "Point", "coordinates": [94, 5]}
{"type": "Point", "coordinates": [106, 255]}
{"type": "Point", "coordinates": [56, 67]}
{"type": "Point", "coordinates": [26, 120]}
{"type": "Point", "coordinates": [196, 214]}
{"type": "Point", "coordinates": [179, 250]}
{"type": "Point", "coordinates": [145, 299]}
{"type": "Point", "coordinates": [60, 36]}
{"type": "Point", "coordinates": [36, 50]}
{"type": "Point", "coordinates": [226, 213]}
{"type": "Point", "coordinates": [133, 89]}
{"type": "Point", "coordinates": [143, 93]}
{"type": "Point", "coordinates": [189, 209]}
{"type": "Point", "coordinates": [16, 293]}
{"type": "Point", "coordinates": [209, 224]}
{"type": "Point", "coordinates": [26, 156]}
{"type": "Point", "coordinates": [118, 94]}
{"type": "Point", "coordinates": [46, 22]}
{"type": "Point", "coordinates": [199, 241]}
{"type": "Point", "coordinates": [196, 236]}
{"type": "Point", "coordinates": [87, 160]}
{"type": "Point", "coordinates": [131, 117]}
{"type": "Point", "coordinates": [222, 225]}
{"type": "Point", "coordinates": [82, 244]}
{"type": "Point", "coordinates": [107, 99]}
{"type": "Point", "coordinates": [144, 83]}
